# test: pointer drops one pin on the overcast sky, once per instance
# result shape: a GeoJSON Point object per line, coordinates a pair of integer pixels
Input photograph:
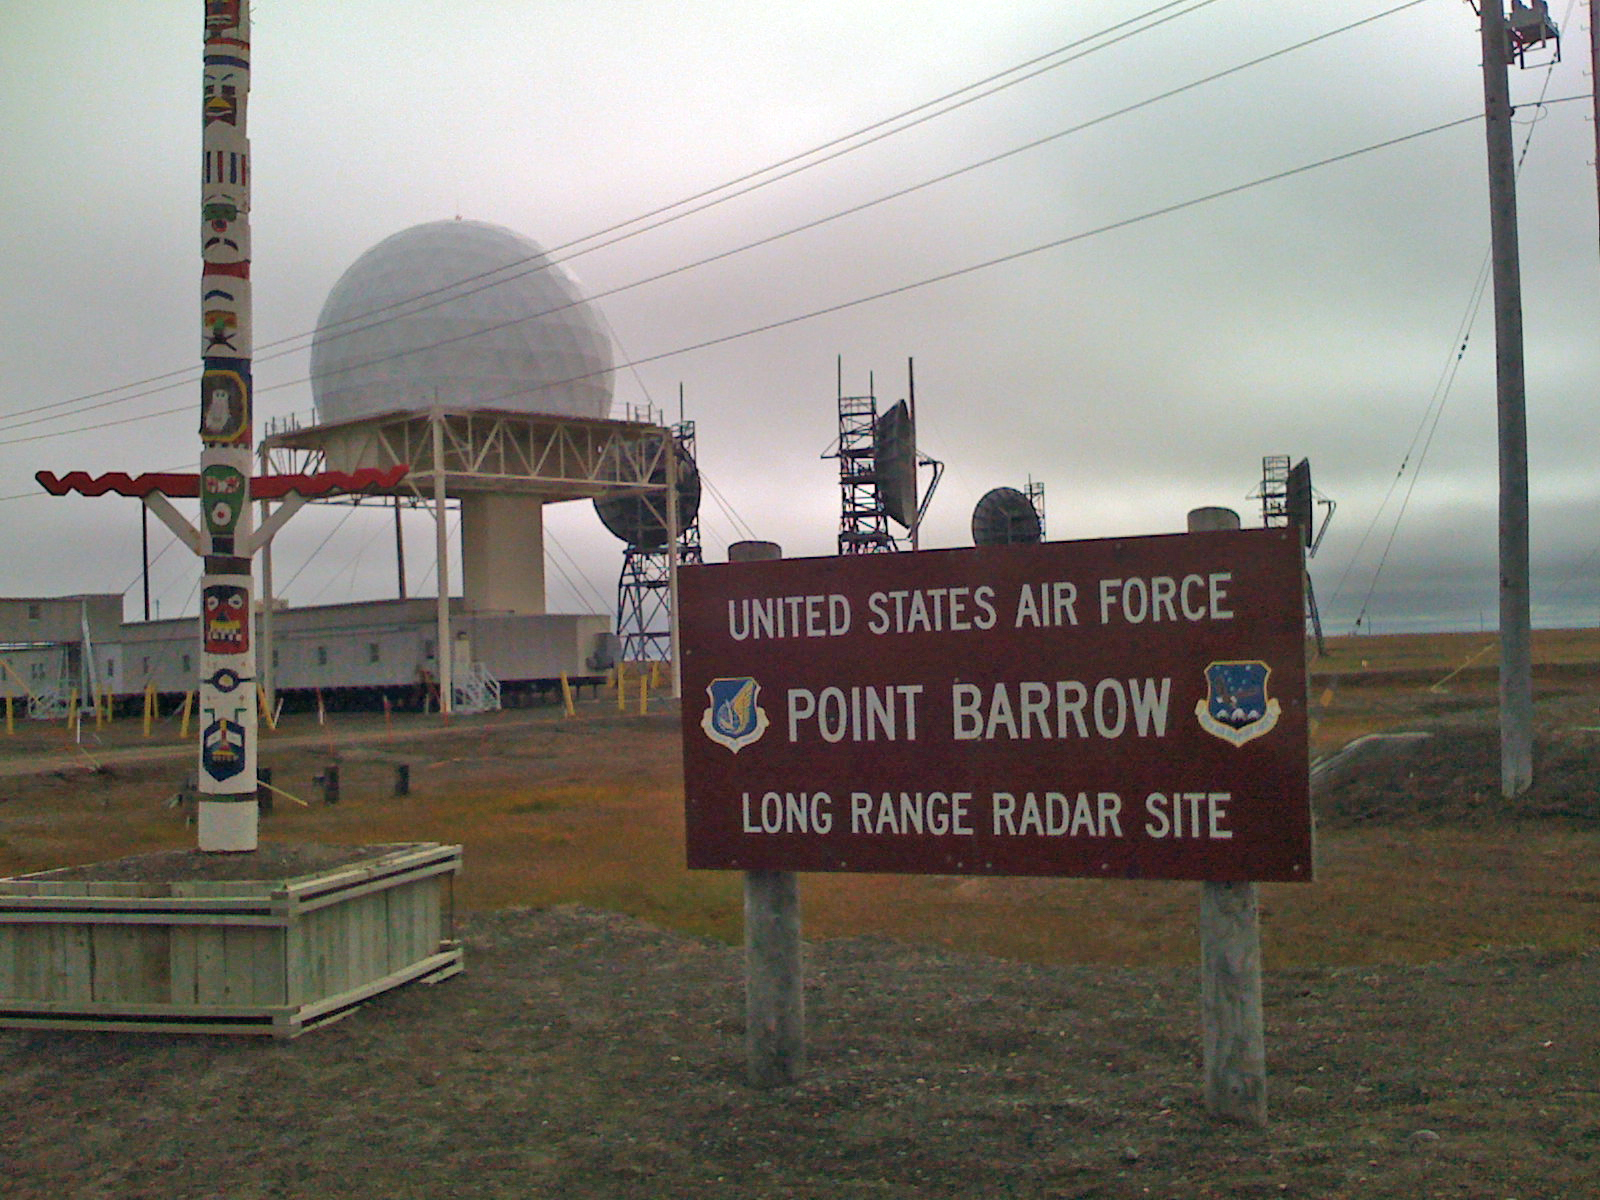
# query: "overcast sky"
{"type": "Point", "coordinates": [1137, 371]}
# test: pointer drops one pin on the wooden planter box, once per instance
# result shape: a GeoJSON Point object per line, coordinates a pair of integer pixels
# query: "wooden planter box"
{"type": "Point", "coordinates": [271, 956]}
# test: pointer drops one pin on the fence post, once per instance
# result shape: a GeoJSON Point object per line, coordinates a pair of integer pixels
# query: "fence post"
{"type": "Point", "coordinates": [329, 781]}
{"type": "Point", "coordinates": [774, 976]}
{"type": "Point", "coordinates": [1232, 1032]}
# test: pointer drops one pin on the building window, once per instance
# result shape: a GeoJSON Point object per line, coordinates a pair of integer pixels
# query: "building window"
{"type": "Point", "coordinates": [372, 652]}
{"type": "Point", "coordinates": [274, 658]}
{"type": "Point", "coordinates": [427, 648]}
{"type": "Point", "coordinates": [322, 656]}
{"type": "Point", "coordinates": [34, 612]}
{"type": "Point", "coordinates": [111, 668]}
{"type": "Point", "coordinates": [147, 664]}
{"type": "Point", "coordinates": [36, 671]}
{"type": "Point", "coordinates": [187, 665]}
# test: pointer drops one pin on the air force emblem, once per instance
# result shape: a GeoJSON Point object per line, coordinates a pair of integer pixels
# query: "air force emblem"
{"type": "Point", "coordinates": [733, 718]}
{"type": "Point", "coordinates": [1236, 708]}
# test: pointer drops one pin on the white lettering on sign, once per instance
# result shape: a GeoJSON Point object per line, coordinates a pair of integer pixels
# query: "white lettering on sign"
{"type": "Point", "coordinates": [931, 610]}
{"type": "Point", "coordinates": [856, 714]}
{"type": "Point", "coordinates": [1188, 815]}
{"type": "Point", "coordinates": [1065, 708]}
{"type": "Point", "coordinates": [789, 812]}
{"type": "Point", "coordinates": [788, 617]}
{"type": "Point", "coordinates": [1057, 814]}
{"type": "Point", "coordinates": [938, 813]}
{"type": "Point", "coordinates": [1048, 606]}
{"type": "Point", "coordinates": [1165, 598]}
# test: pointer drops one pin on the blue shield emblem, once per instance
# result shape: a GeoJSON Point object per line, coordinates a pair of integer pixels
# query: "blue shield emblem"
{"type": "Point", "coordinates": [733, 718]}
{"type": "Point", "coordinates": [1237, 708]}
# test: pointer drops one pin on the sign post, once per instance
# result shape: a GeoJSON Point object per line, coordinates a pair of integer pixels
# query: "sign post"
{"type": "Point", "coordinates": [775, 1009]}
{"type": "Point", "coordinates": [1129, 708]}
{"type": "Point", "coordinates": [1232, 1028]}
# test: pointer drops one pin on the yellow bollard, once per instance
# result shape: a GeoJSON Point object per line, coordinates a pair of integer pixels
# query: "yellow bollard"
{"type": "Point", "coordinates": [270, 719]}
{"type": "Point", "coordinates": [188, 705]}
{"type": "Point", "coordinates": [644, 694]}
{"type": "Point", "coordinates": [566, 696]}
{"type": "Point", "coordinates": [72, 714]}
{"type": "Point", "coordinates": [622, 687]}
{"type": "Point", "coordinates": [149, 707]}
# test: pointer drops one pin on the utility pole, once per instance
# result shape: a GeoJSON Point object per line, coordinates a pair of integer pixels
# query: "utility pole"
{"type": "Point", "coordinates": [1594, 74]}
{"type": "Point", "coordinates": [1516, 671]}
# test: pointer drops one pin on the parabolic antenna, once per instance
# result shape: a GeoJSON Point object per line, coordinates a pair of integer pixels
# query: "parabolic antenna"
{"type": "Point", "coordinates": [894, 463]}
{"type": "Point", "coordinates": [1005, 517]}
{"type": "Point", "coordinates": [1297, 501]}
{"type": "Point", "coordinates": [640, 520]}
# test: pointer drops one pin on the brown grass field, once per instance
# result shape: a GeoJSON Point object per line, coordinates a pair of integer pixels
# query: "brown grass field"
{"type": "Point", "coordinates": [587, 810]}
{"type": "Point", "coordinates": [1429, 998]}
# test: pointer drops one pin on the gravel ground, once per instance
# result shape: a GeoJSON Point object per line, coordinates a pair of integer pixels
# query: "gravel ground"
{"type": "Point", "coordinates": [584, 1054]}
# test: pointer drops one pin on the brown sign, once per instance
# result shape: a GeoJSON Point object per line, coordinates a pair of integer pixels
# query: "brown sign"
{"type": "Point", "coordinates": [1123, 708]}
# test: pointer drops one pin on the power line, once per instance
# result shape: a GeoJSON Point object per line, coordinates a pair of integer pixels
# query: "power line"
{"type": "Point", "coordinates": [546, 260]}
{"type": "Point", "coordinates": [943, 277]}
{"type": "Point", "coordinates": [580, 585]}
{"type": "Point", "coordinates": [804, 227]}
{"type": "Point", "coordinates": [796, 164]}
{"type": "Point", "coordinates": [1443, 388]}
{"type": "Point", "coordinates": [846, 212]}
{"type": "Point", "coordinates": [283, 588]}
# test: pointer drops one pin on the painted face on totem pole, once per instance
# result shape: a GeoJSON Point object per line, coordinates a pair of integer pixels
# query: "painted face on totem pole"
{"type": "Point", "coordinates": [221, 499]}
{"type": "Point", "coordinates": [225, 406]}
{"type": "Point", "coordinates": [224, 238]}
{"type": "Point", "coordinates": [221, 95]}
{"type": "Point", "coordinates": [221, 15]}
{"type": "Point", "coordinates": [222, 748]}
{"type": "Point", "coordinates": [226, 613]}
{"type": "Point", "coordinates": [222, 330]}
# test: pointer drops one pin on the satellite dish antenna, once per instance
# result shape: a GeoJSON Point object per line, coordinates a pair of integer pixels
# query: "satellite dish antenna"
{"type": "Point", "coordinates": [640, 519]}
{"type": "Point", "coordinates": [894, 463]}
{"type": "Point", "coordinates": [1297, 501]}
{"type": "Point", "coordinates": [1006, 517]}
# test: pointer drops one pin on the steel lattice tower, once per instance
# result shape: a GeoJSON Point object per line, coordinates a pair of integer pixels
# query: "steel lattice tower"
{"type": "Point", "coordinates": [863, 522]}
{"type": "Point", "coordinates": [644, 588]}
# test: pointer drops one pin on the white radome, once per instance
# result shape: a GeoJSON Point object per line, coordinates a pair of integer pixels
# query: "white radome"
{"type": "Point", "coordinates": [462, 315]}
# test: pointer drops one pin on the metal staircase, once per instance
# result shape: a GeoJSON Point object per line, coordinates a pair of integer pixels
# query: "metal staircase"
{"type": "Point", "coordinates": [475, 690]}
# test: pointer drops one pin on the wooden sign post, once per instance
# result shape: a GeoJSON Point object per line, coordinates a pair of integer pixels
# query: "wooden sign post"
{"type": "Point", "coordinates": [1232, 1030]}
{"type": "Point", "coordinates": [1128, 708]}
{"type": "Point", "coordinates": [775, 1005]}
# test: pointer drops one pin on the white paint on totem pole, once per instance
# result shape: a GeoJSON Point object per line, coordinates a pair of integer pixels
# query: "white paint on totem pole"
{"type": "Point", "coordinates": [226, 826]}
{"type": "Point", "coordinates": [1232, 1033]}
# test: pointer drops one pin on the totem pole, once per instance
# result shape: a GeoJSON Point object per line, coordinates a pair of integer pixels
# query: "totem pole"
{"type": "Point", "coordinates": [227, 538]}
{"type": "Point", "coordinates": [226, 817]}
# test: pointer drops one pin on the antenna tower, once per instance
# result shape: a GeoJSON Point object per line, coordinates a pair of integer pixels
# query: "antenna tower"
{"type": "Point", "coordinates": [1287, 498]}
{"type": "Point", "coordinates": [1035, 494]}
{"type": "Point", "coordinates": [644, 588]}
{"type": "Point", "coordinates": [1274, 490]}
{"type": "Point", "coordinates": [863, 518]}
